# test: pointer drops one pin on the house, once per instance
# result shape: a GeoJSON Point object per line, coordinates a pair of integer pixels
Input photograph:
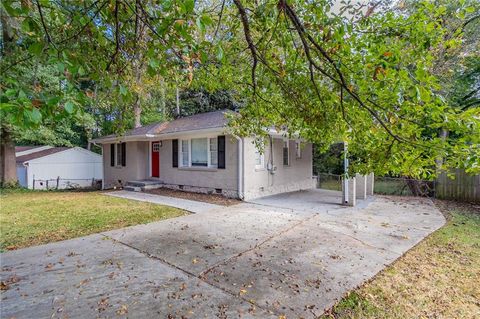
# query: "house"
{"type": "Point", "coordinates": [197, 153]}
{"type": "Point", "coordinates": [42, 167]}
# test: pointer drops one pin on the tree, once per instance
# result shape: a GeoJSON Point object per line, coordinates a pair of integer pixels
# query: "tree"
{"type": "Point", "coordinates": [364, 75]}
{"type": "Point", "coordinates": [365, 78]}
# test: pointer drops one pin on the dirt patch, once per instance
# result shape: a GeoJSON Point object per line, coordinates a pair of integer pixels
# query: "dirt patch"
{"type": "Point", "coordinates": [207, 198]}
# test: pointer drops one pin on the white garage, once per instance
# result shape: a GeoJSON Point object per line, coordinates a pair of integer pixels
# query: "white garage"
{"type": "Point", "coordinates": [47, 167]}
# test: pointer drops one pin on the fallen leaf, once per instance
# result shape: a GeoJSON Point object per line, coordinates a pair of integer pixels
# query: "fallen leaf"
{"type": "Point", "coordinates": [123, 310]}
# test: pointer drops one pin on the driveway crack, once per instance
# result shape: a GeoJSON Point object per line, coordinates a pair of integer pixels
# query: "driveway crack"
{"type": "Point", "coordinates": [225, 261]}
{"type": "Point", "coordinates": [192, 275]}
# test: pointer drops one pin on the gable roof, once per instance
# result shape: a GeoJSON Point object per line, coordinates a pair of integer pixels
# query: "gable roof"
{"type": "Point", "coordinates": [25, 148]}
{"type": "Point", "coordinates": [45, 152]}
{"type": "Point", "coordinates": [202, 121]}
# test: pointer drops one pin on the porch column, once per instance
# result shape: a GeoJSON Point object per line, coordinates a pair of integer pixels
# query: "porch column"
{"type": "Point", "coordinates": [361, 186]}
{"type": "Point", "coordinates": [370, 184]}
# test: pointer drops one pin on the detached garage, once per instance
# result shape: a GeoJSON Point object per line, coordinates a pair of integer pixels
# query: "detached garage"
{"type": "Point", "coordinates": [47, 167]}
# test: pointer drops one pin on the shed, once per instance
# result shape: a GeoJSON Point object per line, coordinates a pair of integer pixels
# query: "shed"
{"type": "Point", "coordinates": [42, 167]}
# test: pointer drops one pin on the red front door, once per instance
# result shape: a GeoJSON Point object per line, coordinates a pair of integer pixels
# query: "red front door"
{"type": "Point", "coordinates": [155, 159]}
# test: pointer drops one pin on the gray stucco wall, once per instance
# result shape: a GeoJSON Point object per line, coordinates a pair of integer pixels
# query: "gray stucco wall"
{"type": "Point", "coordinates": [202, 179]}
{"type": "Point", "coordinates": [294, 177]}
{"type": "Point", "coordinates": [257, 182]}
{"type": "Point", "coordinates": [136, 165]}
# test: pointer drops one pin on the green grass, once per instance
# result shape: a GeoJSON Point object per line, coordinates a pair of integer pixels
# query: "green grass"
{"type": "Point", "coordinates": [436, 279]}
{"type": "Point", "coordinates": [391, 187]}
{"type": "Point", "coordinates": [331, 184]}
{"type": "Point", "coordinates": [29, 218]}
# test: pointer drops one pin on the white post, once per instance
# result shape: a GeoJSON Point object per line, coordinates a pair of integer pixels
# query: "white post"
{"type": "Point", "coordinates": [361, 186]}
{"type": "Point", "coordinates": [345, 190]}
{"type": "Point", "coordinates": [349, 192]}
{"type": "Point", "coordinates": [370, 184]}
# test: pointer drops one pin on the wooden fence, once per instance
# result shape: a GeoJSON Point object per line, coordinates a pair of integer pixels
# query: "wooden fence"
{"type": "Point", "coordinates": [463, 187]}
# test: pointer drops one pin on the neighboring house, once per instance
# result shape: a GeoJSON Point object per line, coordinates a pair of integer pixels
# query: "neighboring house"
{"type": "Point", "coordinates": [196, 153]}
{"type": "Point", "coordinates": [62, 167]}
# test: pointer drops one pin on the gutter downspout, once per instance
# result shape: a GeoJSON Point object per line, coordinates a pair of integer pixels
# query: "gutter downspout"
{"type": "Point", "coordinates": [240, 167]}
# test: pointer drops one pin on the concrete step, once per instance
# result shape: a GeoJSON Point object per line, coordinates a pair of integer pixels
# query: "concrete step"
{"type": "Point", "coordinates": [146, 187]}
{"type": "Point", "coordinates": [144, 183]}
{"type": "Point", "coordinates": [132, 188]}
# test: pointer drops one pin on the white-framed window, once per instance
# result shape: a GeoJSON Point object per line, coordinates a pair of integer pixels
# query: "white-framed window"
{"type": "Point", "coordinates": [185, 153]}
{"type": "Point", "coordinates": [259, 159]}
{"type": "Point", "coordinates": [199, 152]}
{"type": "Point", "coordinates": [213, 151]}
{"type": "Point", "coordinates": [298, 149]}
{"type": "Point", "coordinates": [286, 152]}
{"type": "Point", "coordinates": [119, 154]}
{"type": "Point", "coordinates": [156, 147]}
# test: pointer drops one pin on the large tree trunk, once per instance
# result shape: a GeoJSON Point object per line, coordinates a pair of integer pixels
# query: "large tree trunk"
{"type": "Point", "coordinates": [137, 112]}
{"type": "Point", "coordinates": [138, 61]}
{"type": "Point", "coordinates": [8, 169]}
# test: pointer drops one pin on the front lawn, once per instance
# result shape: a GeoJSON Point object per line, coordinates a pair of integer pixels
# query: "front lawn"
{"type": "Point", "coordinates": [29, 218]}
{"type": "Point", "coordinates": [439, 278]}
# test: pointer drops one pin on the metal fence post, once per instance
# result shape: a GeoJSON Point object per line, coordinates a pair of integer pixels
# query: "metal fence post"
{"type": "Point", "coordinates": [58, 181]}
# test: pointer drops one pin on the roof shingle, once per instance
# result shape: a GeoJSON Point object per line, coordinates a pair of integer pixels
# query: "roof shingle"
{"type": "Point", "coordinates": [31, 156]}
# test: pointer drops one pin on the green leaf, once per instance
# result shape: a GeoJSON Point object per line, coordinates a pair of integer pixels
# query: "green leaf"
{"type": "Point", "coordinates": [61, 67]}
{"type": "Point", "coordinates": [36, 48]}
{"type": "Point", "coordinates": [200, 24]}
{"type": "Point", "coordinates": [219, 53]}
{"type": "Point", "coordinates": [206, 20]}
{"type": "Point", "coordinates": [123, 90]}
{"type": "Point", "coordinates": [35, 115]}
{"type": "Point", "coordinates": [69, 106]}
{"type": "Point", "coordinates": [189, 5]}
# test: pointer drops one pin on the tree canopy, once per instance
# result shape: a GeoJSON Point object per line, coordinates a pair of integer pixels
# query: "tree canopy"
{"type": "Point", "coordinates": [368, 74]}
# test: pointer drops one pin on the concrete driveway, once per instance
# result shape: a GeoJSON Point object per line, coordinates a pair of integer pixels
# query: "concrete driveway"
{"type": "Point", "coordinates": [265, 259]}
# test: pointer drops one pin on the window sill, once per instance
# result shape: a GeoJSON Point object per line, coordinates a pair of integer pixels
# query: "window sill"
{"type": "Point", "coordinates": [198, 168]}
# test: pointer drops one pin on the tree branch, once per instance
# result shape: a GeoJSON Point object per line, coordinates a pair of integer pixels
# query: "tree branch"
{"type": "Point", "coordinates": [248, 38]}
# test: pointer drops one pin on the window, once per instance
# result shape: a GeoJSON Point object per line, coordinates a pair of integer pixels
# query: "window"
{"type": "Point", "coordinates": [259, 159]}
{"type": "Point", "coordinates": [213, 151]}
{"type": "Point", "coordinates": [185, 151]}
{"type": "Point", "coordinates": [118, 154]}
{"type": "Point", "coordinates": [286, 155]}
{"type": "Point", "coordinates": [156, 147]}
{"type": "Point", "coordinates": [199, 152]}
{"type": "Point", "coordinates": [298, 149]}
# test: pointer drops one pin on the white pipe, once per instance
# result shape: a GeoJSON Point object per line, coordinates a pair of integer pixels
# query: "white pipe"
{"type": "Point", "coordinates": [240, 168]}
{"type": "Point", "coordinates": [345, 169]}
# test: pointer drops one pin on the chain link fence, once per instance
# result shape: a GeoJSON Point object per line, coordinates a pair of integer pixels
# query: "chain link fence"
{"type": "Point", "coordinates": [461, 187]}
{"type": "Point", "coordinates": [66, 183]}
{"type": "Point", "coordinates": [383, 185]}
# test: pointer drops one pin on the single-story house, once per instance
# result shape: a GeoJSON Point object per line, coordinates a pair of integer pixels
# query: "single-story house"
{"type": "Point", "coordinates": [42, 167]}
{"type": "Point", "coordinates": [197, 153]}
